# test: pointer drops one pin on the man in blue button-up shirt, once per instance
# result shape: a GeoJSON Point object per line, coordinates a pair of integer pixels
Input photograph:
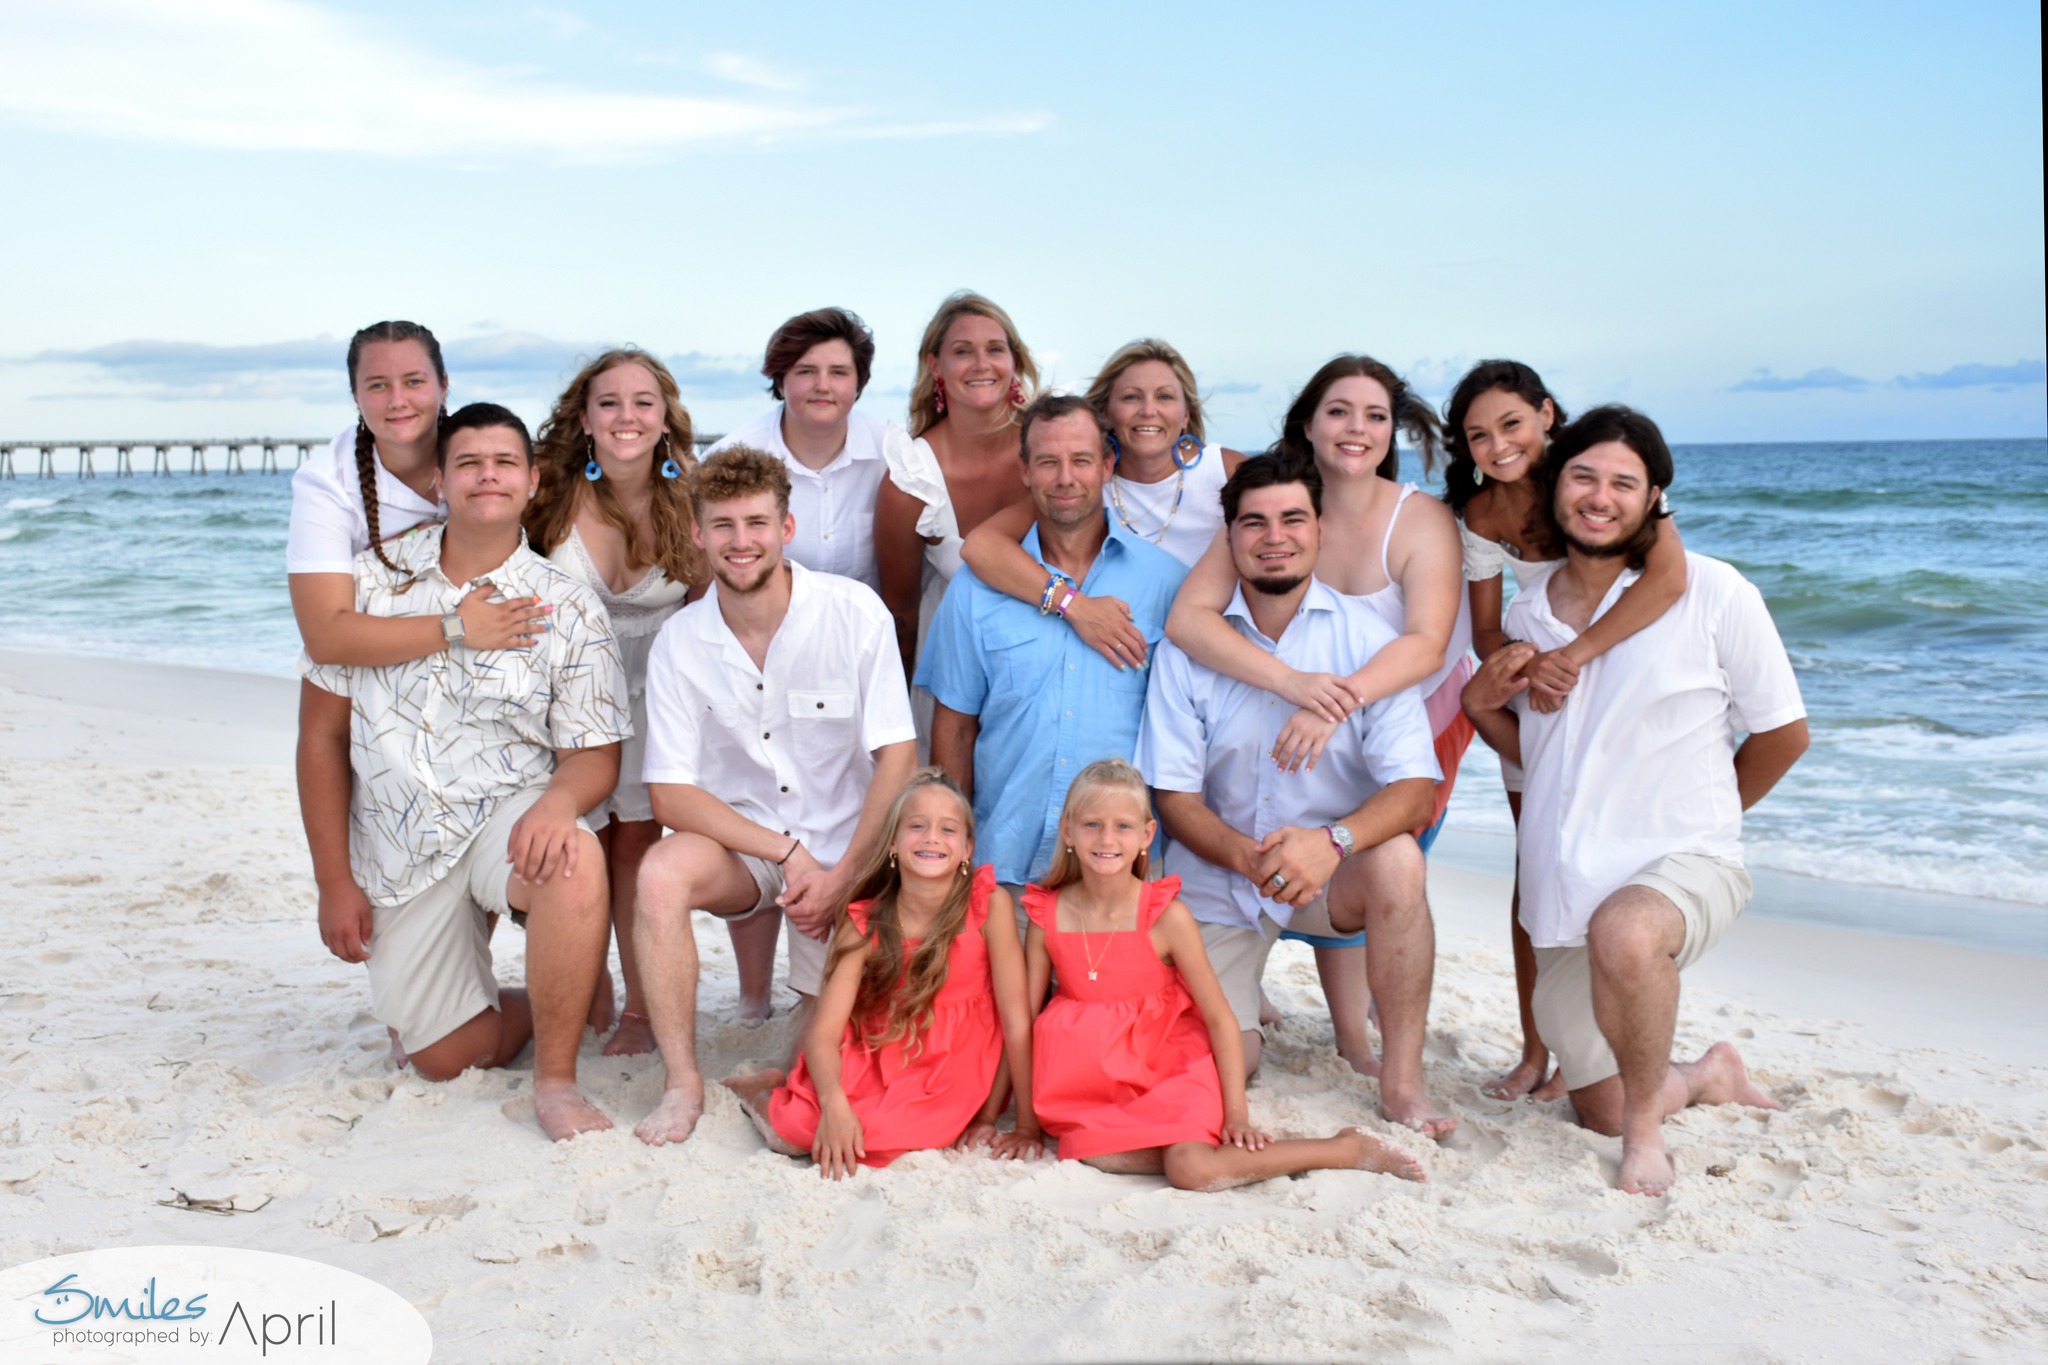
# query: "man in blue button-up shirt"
{"type": "Point", "coordinates": [1023, 703]}
{"type": "Point", "coordinates": [1327, 849]}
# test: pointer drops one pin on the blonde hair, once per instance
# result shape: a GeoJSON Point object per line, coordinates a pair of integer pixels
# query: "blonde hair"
{"type": "Point", "coordinates": [895, 1000]}
{"type": "Point", "coordinates": [1101, 775]}
{"type": "Point", "coordinates": [924, 405]}
{"type": "Point", "coordinates": [1135, 353]}
{"type": "Point", "coordinates": [562, 449]}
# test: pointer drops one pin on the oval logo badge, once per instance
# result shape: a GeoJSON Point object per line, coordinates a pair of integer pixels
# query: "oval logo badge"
{"type": "Point", "coordinates": [158, 1303]}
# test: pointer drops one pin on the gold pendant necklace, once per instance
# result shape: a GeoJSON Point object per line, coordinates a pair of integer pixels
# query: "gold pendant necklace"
{"type": "Point", "coordinates": [1087, 950]}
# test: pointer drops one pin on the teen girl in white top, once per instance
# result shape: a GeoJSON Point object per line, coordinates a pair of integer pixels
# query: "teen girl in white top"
{"type": "Point", "coordinates": [626, 534]}
{"type": "Point", "coordinates": [1167, 489]}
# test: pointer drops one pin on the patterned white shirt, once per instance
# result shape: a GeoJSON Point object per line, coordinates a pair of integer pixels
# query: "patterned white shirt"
{"type": "Point", "coordinates": [437, 743]}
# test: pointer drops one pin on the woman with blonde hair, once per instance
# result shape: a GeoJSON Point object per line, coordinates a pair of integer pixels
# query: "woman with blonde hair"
{"type": "Point", "coordinates": [974, 375]}
{"type": "Point", "coordinates": [613, 511]}
{"type": "Point", "coordinates": [1168, 489]}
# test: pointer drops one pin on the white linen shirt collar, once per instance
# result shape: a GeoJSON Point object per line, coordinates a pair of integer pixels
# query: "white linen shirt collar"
{"type": "Point", "coordinates": [1639, 762]}
{"type": "Point", "coordinates": [789, 745]}
{"type": "Point", "coordinates": [1207, 732]}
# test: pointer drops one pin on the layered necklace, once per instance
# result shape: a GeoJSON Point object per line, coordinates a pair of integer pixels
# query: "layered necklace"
{"type": "Point", "coordinates": [1180, 480]}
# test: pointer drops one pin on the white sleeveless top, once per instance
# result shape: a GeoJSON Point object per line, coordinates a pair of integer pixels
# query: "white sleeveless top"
{"type": "Point", "coordinates": [1391, 604]}
{"type": "Point", "coordinates": [1149, 512]}
{"type": "Point", "coordinates": [1486, 559]}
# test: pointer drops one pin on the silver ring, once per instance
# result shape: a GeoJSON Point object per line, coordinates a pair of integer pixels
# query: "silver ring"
{"type": "Point", "coordinates": [1279, 882]}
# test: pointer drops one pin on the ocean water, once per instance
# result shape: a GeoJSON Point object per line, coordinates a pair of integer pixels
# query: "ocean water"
{"type": "Point", "coordinates": [1907, 579]}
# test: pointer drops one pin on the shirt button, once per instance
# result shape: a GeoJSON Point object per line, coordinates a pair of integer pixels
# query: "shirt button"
{"type": "Point", "coordinates": [1070, 715]}
{"type": "Point", "coordinates": [1070, 668]}
{"type": "Point", "coordinates": [785, 789]}
{"type": "Point", "coordinates": [764, 734]}
{"type": "Point", "coordinates": [1063, 763]}
{"type": "Point", "coordinates": [757, 687]}
{"type": "Point", "coordinates": [821, 706]}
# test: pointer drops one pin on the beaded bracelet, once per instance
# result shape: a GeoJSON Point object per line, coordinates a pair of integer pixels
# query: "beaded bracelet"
{"type": "Point", "coordinates": [1052, 585]}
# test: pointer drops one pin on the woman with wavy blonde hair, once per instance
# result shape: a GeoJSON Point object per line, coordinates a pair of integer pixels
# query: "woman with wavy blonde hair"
{"type": "Point", "coordinates": [974, 375]}
{"type": "Point", "coordinates": [923, 992]}
{"type": "Point", "coordinates": [613, 511]}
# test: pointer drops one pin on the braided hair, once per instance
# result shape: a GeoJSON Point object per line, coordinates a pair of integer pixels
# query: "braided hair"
{"type": "Point", "coordinates": [366, 445]}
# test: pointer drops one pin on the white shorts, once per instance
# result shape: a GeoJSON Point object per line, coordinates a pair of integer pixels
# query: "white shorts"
{"type": "Point", "coordinates": [430, 957]}
{"type": "Point", "coordinates": [1239, 955]}
{"type": "Point", "coordinates": [1709, 893]}
{"type": "Point", "coordinates": [806, 954]}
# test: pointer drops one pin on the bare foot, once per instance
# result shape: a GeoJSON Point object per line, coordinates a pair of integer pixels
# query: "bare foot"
{"type": "Point", "coordinates": [1723, 1079]}
{"type": "Point", "coordinates": [753, 1090]}
{"type": "Point", "coordinates": [1552, 1089]}
{"type": "Point", "coordinates": [755, 1012]}
{"type": "Point", "coordinates": [1418, 1113]}
{"type": "Point", "coordinates": [1526, 1077]}
{"type": "Point", "coordinates": [635, 1036]}
{"type": "Point", "coordinates": [1365, 1063]}
{"type": "Point", "coordinates": [1269, 1013]}
{"type": "Point", "coordinates": [1645, 1167]}
{"type": "Point", "coordinates": [603, 1010]}
{"type": "Point", "coordinates": [675, 1118]}
{"type": "Point", "coordinates": [398, 1055]}
{"type": "Point", "coordinates": [563, 1112]}
{"type": "Point", "coordinates": [1377, 1154]}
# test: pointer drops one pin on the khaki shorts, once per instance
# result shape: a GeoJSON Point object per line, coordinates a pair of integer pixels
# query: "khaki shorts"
{"type": "Point", "coordinates": [1709, 893]}
{"type": "Point", "coordinates": [806, 954]}
{"type": "Point", "coordinates": [1239, 955]}
{"type": "Point", "coordinates": [430, 958]}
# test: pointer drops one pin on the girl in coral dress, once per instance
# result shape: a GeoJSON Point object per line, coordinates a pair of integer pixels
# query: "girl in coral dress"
{"type": "Point", "coordinates": [1137, 1065]}
{"type": "Point", "coordinates": [923, 991]}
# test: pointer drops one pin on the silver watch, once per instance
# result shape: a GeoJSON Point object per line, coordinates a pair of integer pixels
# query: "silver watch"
{"type": "Point", "coordinates": [451, 627]}
{"type": "Point", "coordinates": [1340, 835]}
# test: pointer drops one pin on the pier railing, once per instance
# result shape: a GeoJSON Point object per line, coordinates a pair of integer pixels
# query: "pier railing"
{"type": "Point", "coordinates": [267, 448]}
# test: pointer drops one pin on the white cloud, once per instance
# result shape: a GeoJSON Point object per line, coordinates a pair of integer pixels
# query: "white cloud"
{"type": "Point", "coordinates": [265, 75]}
{"type": "Point", "coordinates": [743, 70]}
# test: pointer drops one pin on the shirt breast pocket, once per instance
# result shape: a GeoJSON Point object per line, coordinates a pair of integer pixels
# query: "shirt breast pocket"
{"type": "Point", "coordinates": [824, 726]}
{"type": "Point", "coordinates": [1015, 668]}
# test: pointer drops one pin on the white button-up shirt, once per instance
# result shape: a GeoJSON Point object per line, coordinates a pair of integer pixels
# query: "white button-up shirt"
{"type": "Point", "coordinates": [437, 743]}
{"type": "Point", "coordinates": [1207, 732]}
{"type": "Point", "coordinates": [1640, 761]}
{"type": "Point", "coordinates": [791, 745]}
{"type": "Point", "coordinates": [328, 528]}
{"type": "Point", "coordinates": [834, 507]}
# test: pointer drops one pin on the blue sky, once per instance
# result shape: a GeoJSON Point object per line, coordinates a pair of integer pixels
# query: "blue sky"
{"type": "Point", "coordinates": [1755, 222]}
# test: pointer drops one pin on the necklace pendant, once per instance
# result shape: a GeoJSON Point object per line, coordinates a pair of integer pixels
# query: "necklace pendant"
{"type": "Point", "coordinates": [1091, 976]}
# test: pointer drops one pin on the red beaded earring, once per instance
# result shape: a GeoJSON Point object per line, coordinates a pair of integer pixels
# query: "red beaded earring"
{"type": "Point", "coordinates": [939, 395]}
{"type": "Point", "coordinates": [1016, 393]}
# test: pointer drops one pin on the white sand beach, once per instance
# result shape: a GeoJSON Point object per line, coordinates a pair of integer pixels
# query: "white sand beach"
{"type": "Point", "coordinates": [170, 1023]}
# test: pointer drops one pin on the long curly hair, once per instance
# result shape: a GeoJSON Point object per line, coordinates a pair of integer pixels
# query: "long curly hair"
{"type": "Point", "coordinates": [895, 997]}
{"type": "Point", "coordinates": [1412, 414]}
{"type": "Point", "coordinates": [924, 404]}
{"type": "Point", "coordinates": [563, 448]}
{"type": "Point", "coordinates": [366, 445]}
{"type": "Point", "coordinates": [1509, 376]}
{"type": "Point", "coordinates": [1132, 353]}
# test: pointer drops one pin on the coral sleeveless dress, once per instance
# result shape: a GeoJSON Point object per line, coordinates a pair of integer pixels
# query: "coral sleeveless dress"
{"type": "Point", "coordinates": [905, 1102]}
{"type": "Point", "coordinates": [1120, 1062]}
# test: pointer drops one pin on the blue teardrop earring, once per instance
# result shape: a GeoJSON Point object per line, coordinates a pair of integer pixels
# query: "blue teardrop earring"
{"type": "Point", "coordinates": [1116, 450]}
{"type": "Point", "coordinates": [669, 468]}
{"type": "Point", "coordinates": [592, 470]}
{"type": "Point", "coordinates": [1187, 439]}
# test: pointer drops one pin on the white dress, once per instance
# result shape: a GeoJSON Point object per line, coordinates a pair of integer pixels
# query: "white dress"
{"type": "Point", "coordinates": [1486, 559]}
{"type": "Point", "coordinates": [636, 615]}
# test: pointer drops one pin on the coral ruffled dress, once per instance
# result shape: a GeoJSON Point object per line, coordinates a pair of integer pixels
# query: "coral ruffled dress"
{"type": "Point", "coordinates": [1121, 1062]}
{"type": "Point", "coordinates": [908, 1103]}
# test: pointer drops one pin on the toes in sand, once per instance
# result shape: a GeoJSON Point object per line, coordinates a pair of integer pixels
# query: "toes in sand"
{"type": "Point", "coordinates": [675, 1118]}
{"type": "Point", "coordinates": [1377, 1154]}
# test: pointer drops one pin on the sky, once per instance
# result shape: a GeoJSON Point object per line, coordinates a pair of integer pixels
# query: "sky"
{"type": "Point", "coordinates": [1755, 222]}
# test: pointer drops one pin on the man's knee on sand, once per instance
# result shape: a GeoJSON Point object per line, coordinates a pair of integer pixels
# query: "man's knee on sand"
{"type": "Point", "coordinates": [1389, 876]}
{"type": "Point", "coordinates": [1632, 931]}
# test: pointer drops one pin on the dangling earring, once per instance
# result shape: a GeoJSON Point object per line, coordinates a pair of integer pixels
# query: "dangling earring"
{"type": "Point", "coordinates": [669, 468]}
{"type": "Point", "coordinates": [1016, 393]}
{"type": "Point", "coordinates": [892, 860]}
{"type": "Point", "coordinates": [592, 470]}
{"type": "Point", "coordinates": [1663, 504]}
{"type": "Point", "coordinates": [1478, 476]}
{"type": "Point", "coordinates": [1116, 449]}
{"type": "Point", "coordinates": [1187, 438]}
{"type": "Point", "coordinates": [963, 869]}
{"type": "Point", "coordinates": [939, 395]}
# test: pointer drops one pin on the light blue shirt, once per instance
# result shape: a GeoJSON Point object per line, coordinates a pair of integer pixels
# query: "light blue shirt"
{"type": "Point", "coordinates": [1049, 705]}
{"type": "Point", "coordinates": [1209, 733]}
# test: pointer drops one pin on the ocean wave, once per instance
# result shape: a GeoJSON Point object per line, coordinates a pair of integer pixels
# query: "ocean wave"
{"type": "Point", "coordinates": [1988, 873]}
{"type": "Point", "coordinates": [29, 504]}
{"type": "Point", "coordinates": [9, 532]}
